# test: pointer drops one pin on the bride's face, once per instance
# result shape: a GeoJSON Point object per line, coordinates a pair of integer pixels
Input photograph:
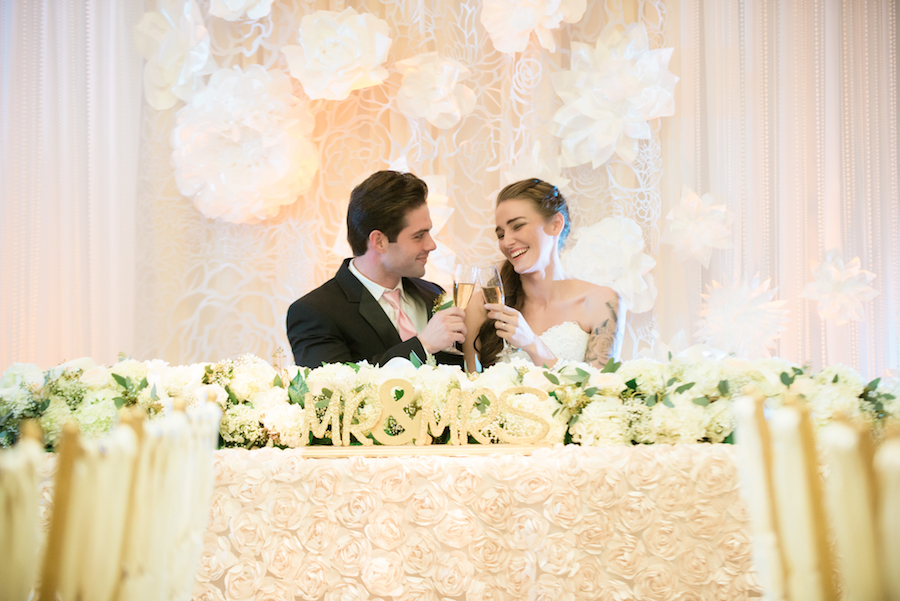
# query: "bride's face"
{"type": "Point", "coordinates": [524, 236]}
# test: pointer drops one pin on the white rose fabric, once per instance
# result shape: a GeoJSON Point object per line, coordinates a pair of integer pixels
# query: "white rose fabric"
{"type": "Point", "coordinates": [661, 522]}
{"type": "Point", "coordinates": [611, 253]}
{"type": "Point", "coordinates": [510, 23]}
{"type": "Point", "coordinates": [337, 53]}
{"type": "Point", "coordinates": [432, 89]}
{"type": "Point", "coordinates": [610, 93]}
{"type": "Point", "coordinates": [176, 46]}
{"type": "Point", "coordinates": [241, 148]}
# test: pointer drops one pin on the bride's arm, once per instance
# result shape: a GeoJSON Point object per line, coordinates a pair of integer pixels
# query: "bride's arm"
{"type": "Point", "coordinates": [605, 341]}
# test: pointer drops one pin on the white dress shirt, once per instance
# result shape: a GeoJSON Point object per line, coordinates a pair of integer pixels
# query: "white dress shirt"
{"type": "Point", "coordinates": [414, 307]}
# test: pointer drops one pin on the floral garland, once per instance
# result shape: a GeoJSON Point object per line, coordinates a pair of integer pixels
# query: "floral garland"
{"type": "Point", "coordinates": [638, 402]}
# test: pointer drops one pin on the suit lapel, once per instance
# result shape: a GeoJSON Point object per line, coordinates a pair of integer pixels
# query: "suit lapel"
{"type": "Point", "coordinates": [427, 296]}
{"type": "Point", "coordinates": [369, 309]}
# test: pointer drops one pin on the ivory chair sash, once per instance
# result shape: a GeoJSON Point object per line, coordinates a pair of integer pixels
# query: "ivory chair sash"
{"type": "Point", "coordinates": [887, 470]}
{"type": "Point", "coordinates": [19, 518]}
{"type": "Point", "coordinates": [852, 498]}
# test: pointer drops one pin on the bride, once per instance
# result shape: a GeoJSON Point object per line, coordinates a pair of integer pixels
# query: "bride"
{"type": "Point", "coordinates": [549, 315]}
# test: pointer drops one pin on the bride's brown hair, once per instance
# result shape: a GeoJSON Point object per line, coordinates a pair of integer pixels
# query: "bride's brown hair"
{"type": "Point", "coordinates": [548, 202]}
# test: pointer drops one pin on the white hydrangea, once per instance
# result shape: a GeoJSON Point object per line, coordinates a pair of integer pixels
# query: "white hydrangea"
{"type": "Point", "coordinates": [250, 376]}
{"type": "Point", "coordinates": [284, 423]}
{"type": "Point", "coordinates": [241, 427]}
{"type": "Point", "coordinates": [16, 386]}
{"type": "Point", "coordinates": [842, 377]}
{"type": "Point", "coordinates": [684, 423]}
{"type": "Point", "coordinates": [651, 376]}
{"type": "Point", "coordinates": [602, 422]}
{"type": "Point", "coordinates": [719, 420]}
{"type": "Point", "coordinates": [97, 412]}
{"type": "Point", "coordinates": [53, 419]}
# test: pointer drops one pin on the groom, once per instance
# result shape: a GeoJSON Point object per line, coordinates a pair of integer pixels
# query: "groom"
{"type": "Point", "coordinates": [376, 307]}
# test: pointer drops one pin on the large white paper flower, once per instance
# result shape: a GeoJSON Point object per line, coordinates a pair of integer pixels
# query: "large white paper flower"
{"type": "Point", "coordinates": [339, 53]}
{"type": "Point", "coordinates": [696, 226]}
{"type": "Point", "coordinates": [241, 149]}
{"type": "Point", "coordinates": [610, 253]}
{"type": "Point", "coordinates": [609, 95]}
{"type": "Point", "coordinates": [432, 89]}
{"type": "Point", "coordinates": [510, 22]}
{"type": "Point", "coordinates": [542, 165]}
{"type": "Point", "coordinates": [840, 289]}
{"type": "Point", "coordinates": [234, 10]}
{"type": "Point", "coordinates": [175, 44]}
{"type": "Point", "coordinates": [743, 319]}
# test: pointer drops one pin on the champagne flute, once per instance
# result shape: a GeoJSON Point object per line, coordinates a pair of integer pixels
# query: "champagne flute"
{"type": "Point", "coordinates": [464, 279]}
{"type": "Point", "coordinates": [491, 284]}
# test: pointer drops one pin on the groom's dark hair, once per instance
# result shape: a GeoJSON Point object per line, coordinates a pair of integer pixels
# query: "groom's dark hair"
{"type": "Point", "coordinates": [382, 203]}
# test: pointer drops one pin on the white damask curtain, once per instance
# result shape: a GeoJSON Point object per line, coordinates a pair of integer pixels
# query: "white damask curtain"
{"type": "Point", "coordinates": [70, 105]}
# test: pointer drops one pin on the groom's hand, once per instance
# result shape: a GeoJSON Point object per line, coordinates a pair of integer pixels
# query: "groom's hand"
{"type": "Point", "coordinates": [444, 329]}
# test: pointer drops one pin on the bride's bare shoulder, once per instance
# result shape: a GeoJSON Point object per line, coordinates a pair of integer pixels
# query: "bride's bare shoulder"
{"type": "Point", "coordinates": [594, 294]}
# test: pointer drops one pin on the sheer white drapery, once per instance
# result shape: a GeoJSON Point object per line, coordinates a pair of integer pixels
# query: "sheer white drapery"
{"type": "Point", "coordinates": [787, 112]}
{"type": "Point", "coordinates": [69, 129]}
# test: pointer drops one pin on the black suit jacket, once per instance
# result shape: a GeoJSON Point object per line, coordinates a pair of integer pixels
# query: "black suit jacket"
{"type": "Point", "coordinates": [340, 321]}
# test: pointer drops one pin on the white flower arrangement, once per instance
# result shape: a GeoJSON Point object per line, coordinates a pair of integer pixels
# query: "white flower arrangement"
{"type": "Point", "coordinates": [696, 226]}
{"type": "Point", "coordinates": [840, 289]}
{"type": "Point", "coordinates": [337, 53]}
{"type": "Point", "coordinates": [510, 23]}
{"type": "Point", "coordinates": [235, 10]}
{"type": "Point", "coordinates": [241, 147]}
{"type": "Point", "coordinates": [433, 89]}
{"type": "Point", "coordinates": [637, 402]}
{"type": "Point", "coordinates": [610, 93]}
{"type": "Point", "coordinates": [176, 46]}
{"type": "Point", "coordinates": [611, 253]}
{"type": "Point", "coordinates": [743, 319]}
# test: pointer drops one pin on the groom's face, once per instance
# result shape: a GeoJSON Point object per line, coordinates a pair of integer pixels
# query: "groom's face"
{"type": "Point", "coordinates": [408, 255]}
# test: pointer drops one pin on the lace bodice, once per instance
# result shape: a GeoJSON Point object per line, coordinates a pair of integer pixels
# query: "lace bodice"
{"type": "Point", "coordinates": [566, 341]}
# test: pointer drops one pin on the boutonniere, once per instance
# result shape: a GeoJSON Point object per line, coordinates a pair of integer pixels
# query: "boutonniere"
{"type": "Point", "coordinates": [443, 301]}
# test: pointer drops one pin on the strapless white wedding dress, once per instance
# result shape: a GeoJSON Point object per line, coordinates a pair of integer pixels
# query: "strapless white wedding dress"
{"type": "Point", "coordinates": [566, 341]}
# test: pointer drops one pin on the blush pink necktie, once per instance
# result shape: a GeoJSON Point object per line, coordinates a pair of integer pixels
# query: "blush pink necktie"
{"type": "Point", "coordinates": [404, 323]}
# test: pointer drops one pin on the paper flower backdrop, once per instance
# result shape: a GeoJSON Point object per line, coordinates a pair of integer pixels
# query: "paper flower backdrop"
{"type": "Point", "coordinates": [339, 53]}
{"type": "Point", "coordinates": [175, 45]}
{"type": "Point", "coordinates": [509, 23]}
{"type": "Point", "coordinates": [743, 319]}
{"type": "Point", "coordinates": [609, 95]}
{"type": "Point", "coordinates": [241, 147]}
{"type": "Point", "coordinates": [539, 164]}
{"type": "Point", "coordinates": [840, 289]}
{"type": "Point", "coordinates": [610, 253]}
{"type": "Point", "coordinates": [696, 226]}
{"type": "Point", "coordinates": [233, 10]}
{"type": "Point", "coordinates": [432, 90]}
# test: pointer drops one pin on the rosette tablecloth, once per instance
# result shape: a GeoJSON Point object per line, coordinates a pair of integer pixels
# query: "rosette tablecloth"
{"type": "Point", "coordinates": [569, 523]}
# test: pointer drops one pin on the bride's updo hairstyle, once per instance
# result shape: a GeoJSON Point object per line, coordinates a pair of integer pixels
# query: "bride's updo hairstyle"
{"type": "Point", "coordinates": [548, 201]}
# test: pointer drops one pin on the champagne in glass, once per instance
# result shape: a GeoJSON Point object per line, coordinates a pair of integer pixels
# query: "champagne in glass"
{"type": "Point", "coordinates": [491, 285]}
{"type": "Point", "coordinates": [464, 278]}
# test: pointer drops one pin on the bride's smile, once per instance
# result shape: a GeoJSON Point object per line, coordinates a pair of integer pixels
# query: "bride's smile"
{"type": "Point", "coordinates": [524, 236]}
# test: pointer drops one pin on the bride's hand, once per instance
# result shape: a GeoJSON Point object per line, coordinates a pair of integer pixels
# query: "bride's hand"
{"type": "Point", "coordinates": [511, 326]}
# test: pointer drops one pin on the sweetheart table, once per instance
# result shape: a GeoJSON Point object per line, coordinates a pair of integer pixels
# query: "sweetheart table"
{"type": "Point", "coordinates": [569, 523]}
